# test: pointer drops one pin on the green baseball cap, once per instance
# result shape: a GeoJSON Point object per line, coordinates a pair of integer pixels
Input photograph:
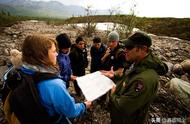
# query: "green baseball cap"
{"type": "Point", "coordinates": [113, 36]}
{"type": "Point", "coordinates": [138, 38]}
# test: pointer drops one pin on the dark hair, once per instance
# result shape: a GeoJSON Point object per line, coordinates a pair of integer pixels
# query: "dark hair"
{"type": "Point", "coordinates": [96, 39]}
{"type": "Point", "coordinates": [63, 41]}
{"type": "Point", "coordinates": [79, 38]}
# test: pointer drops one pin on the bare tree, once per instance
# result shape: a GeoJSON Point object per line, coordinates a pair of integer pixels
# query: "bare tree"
{"type": "Point", "coordinates": [127, 23]}
{"type": "Point", "coordinates": [124, 24]}
{"type": "Point", "coordinates": [90, 26]}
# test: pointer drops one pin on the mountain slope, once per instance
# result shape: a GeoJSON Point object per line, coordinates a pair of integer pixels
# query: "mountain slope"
{"type": "Point", "coordinates": [40, 8]}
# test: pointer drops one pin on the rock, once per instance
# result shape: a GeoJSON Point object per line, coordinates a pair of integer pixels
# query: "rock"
{"type": "Point", "coordinates": [186, 65]}
{"type": "Point", "coordinates": [177, 68]}
{"type": "Point", "coordinates": [14, 36]}
{"type": "Point", "coordinates": [181, 89]}
{"type": "Point", "coordinates": [171, 54]}
{"type": "Point", "coordinates": [170, 68]}
{"type": "Point", "coordinates": [7, 52]}
{"type": "Point", "coordinates": [185, 78]}
{"type": "Point", "coordinates": [2, 62]}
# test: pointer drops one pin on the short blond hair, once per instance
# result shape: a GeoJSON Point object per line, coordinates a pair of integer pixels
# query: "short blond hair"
{"type": "Point", "coordinates": [16, 58]}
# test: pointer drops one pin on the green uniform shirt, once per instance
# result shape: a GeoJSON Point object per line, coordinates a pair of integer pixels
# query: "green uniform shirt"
{"type": "Point", "coordinates": [135, 91]}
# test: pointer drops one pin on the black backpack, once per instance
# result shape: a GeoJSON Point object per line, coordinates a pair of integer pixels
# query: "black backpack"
{"type": "Point", "coordinates": [24, 99]}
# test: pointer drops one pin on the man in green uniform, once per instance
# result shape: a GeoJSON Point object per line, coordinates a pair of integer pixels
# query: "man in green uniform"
{"type": "Point", "coordinates": [131, 98]}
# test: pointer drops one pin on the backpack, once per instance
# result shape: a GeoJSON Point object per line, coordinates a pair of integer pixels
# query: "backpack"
{"type": "Point", "coordinates": [24, 100]}
{"type": "Point", "coordinates": [7, 82]}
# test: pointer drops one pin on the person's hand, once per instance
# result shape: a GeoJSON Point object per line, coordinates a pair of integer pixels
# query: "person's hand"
{"type": "Point", "coordinates": [113, 89]}
{"type": "Point", "coordinates": [88, 104]}
{"type": "Point", "coordinates": [73, 77]}
{"type": "Point", "coordinates": [109, 74]}
{"type": "Point", "coordinates": [108, 51]}
{"type": "Point", "coordinates": [119, 72]}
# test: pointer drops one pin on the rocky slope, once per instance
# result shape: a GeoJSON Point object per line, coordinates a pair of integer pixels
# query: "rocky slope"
{"type": "Point", "coordinates": [166, 107]}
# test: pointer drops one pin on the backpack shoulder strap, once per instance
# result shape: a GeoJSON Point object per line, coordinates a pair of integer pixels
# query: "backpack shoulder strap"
{"type": "Point", "coordinates": [38, 77]}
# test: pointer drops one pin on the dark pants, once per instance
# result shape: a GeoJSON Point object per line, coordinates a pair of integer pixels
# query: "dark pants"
{"type": "Point", "coordinates": [77, 88]}
{"type": "Point", "coordinates": [67, 84]}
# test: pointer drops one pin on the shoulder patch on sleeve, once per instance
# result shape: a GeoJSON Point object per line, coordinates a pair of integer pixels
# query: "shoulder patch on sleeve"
{"type": "Point", "coordinates": [139, 85]}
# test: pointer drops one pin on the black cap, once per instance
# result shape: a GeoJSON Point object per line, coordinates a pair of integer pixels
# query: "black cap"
{"type": "Point", "coordinates": [138, 38]}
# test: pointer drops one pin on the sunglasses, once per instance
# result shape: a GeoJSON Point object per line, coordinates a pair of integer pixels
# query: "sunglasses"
{"type": "Point", "coordinates": [129, 47]}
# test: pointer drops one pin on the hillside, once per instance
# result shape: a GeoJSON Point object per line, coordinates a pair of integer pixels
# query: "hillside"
{"type": "Point", "coordinates": [173, 27]}
{"type": "Point", "coordinates": [50, 9]}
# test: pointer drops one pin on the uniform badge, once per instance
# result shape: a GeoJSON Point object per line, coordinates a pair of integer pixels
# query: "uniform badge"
{"type": "Point", "coordinates": [139, 85]}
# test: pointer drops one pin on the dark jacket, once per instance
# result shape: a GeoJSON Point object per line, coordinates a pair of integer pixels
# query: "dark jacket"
{"type": "Point", "coordinates": [115, 59]}
{"type": "Point", "coordinates": [96, 55]}
{"type": "Point", "coordinates": [79, 61]}
{"type": "Point", "coordinates": [130, 102]}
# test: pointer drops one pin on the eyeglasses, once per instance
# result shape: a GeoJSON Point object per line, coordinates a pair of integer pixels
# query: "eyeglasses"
{"type": "Point", "coordinates": [129, 47]}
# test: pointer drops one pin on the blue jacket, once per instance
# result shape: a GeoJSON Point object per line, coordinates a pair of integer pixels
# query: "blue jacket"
{"type": "Point", "coordinates": [64, 66]}
{"type": "Point", "coordinates": [56, 99]}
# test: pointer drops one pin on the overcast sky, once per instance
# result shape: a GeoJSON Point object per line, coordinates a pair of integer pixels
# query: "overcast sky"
{"type": "Point", "coordinates": [148, 8]}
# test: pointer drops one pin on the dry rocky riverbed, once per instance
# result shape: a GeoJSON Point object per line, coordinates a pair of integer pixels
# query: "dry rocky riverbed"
{"type": "Point", "coordinates": [166, 108]}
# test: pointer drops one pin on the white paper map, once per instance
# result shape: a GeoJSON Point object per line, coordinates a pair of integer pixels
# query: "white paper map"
{"type": "Point", "coordinates": [94, 85]}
